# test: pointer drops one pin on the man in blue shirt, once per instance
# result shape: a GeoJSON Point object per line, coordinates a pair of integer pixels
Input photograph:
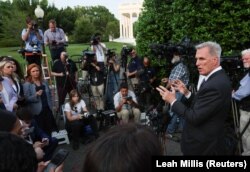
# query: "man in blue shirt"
{"type": "Point", "coordinates": [134, 66]}
{"type": "Point", "coordinates": [243, 96]}
{"type": "Point", "coordinates": [33, 38]}
{"type": "Point", "coordinates": [54, 37]}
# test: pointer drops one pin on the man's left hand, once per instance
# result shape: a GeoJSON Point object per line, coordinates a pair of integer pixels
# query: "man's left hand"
{"type": "Point", "coordinates": [168, 96]}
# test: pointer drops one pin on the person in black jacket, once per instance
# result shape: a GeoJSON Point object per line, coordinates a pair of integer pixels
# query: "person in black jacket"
{"type": "Point", "coordinates": [65, 71]}
{"type": "Point", "coordinates": [37, 136]}
{"type": "Point", "coordinates": [205, 115]}
{"type": "Point", "coordinates": [96, 72]}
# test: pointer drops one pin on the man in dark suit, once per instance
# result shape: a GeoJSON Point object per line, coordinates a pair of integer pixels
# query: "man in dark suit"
{"type": "Point", "coordinates": [206, 112]}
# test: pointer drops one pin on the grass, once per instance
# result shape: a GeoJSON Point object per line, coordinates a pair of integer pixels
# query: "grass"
{"type": "Point", "coordinates": [74, 50]}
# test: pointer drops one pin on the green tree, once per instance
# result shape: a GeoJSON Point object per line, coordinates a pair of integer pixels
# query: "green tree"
{"type": "Point", "coordinates": [84, 29]}
{"type": "Point", "coordinates": [226, 22]}
{"type": "Point", "coordinates": [12, 28]}
{"type": "Point", "coordinates": [112, 29]}
{"type": "Point", "coordinates": [153, 25]}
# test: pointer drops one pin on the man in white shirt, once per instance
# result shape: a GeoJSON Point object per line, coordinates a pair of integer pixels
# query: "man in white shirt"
{"type": "Point", "coordinates": [126, 105]}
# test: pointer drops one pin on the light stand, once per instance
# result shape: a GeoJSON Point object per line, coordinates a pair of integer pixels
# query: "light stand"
{"type": "Point", "coordinates": [40, 14]}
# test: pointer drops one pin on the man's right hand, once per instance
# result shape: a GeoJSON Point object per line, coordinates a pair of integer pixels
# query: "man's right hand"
{"type": "Point", "coordinates": [39, 92]}
{"type": "Point", "coordinates": [178, 85]}
{"type": "Point", "coordinates": [164, 80]}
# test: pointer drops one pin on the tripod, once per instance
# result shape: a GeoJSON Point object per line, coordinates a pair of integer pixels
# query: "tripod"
{"type": "Point", "coordinates": [111, 87]}
{"type": "Point", "coordinates": [84, 89]}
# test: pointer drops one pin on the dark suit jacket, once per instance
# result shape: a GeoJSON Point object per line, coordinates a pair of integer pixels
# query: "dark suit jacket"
{"type": "Point", "coordinates": [203, 132]}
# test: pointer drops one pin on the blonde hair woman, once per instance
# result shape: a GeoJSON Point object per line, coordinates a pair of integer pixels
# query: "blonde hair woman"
{"type": "Point", "coordinates": [8, 96]}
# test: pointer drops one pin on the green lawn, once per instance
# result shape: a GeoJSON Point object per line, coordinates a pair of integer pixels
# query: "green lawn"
{"type": "Point", "coordinates": [72, 49]}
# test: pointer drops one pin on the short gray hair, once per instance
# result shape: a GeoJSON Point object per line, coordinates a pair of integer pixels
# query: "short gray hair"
{"type": "Point", "coordinates": [246, 51]}
{"type": "Point", "coordinates": [214, 48]}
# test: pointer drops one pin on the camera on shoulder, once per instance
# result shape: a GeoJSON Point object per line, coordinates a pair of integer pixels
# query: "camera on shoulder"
{"type": "Point", "coordinates": [95, 39]}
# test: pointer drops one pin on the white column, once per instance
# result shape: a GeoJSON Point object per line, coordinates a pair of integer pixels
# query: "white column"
{"type": "Point", "coordinates": [131, 26]}
{"type": "Point", "coordinates": [123, 26]}
{"type": "Point", "coordinates": [121, 31]}
{"type": "Point", "coordinates": [126, 27]}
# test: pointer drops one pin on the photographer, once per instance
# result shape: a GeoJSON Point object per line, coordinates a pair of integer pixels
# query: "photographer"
{"type": "Point", "coordinates": [242, 94]}
{"type": "Point", "coordinates": [147, 78]}
{"type": "Point", "coordinates": [134, 66]}
{"type": "Point", "coordinates": [113, 79]}
{"type": "Point", "coordinates": [65, 71]}
{"type": "Point", "coordinates": [96, 72]}
{"type": "Point", "coordinates": [54, 37]}
{"type": "Point", "coordinates": [35, 135]}
{"type": "Point", "coordinates": [99, 48]}
{"type": "Point", "coordinates": [33, 38]}
{"type": "Point", "coordinates": [126, 105]}
{"type": "Point", "coordinates": [78, 116]}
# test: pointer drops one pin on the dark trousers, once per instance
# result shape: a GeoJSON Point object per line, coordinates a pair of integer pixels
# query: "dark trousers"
{"type": "Point", "coordinates": [33, 59]}
{"type": "Point", "coordinates": [46, 121]}
{"type": "Point", "coordinates": [77, 127]}
{"type": "Point", "coordinates": [49, 149]}
{"type": "Point", "coordinates": [62, 90]}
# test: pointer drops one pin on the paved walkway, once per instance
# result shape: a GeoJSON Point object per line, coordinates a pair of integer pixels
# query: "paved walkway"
{"type": "Point", "coordinates": [74, 161]}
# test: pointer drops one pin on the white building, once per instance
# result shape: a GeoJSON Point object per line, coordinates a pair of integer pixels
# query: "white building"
{"type": "Point", "coordinates": [129, 13]}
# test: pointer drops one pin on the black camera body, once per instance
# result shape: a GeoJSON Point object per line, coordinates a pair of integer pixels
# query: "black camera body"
{"type": "Point", "coordinates": [34, 46]}
{"type": "Point", "coordinates": [167, 50]}
{"type": "Point", "coordinates": [110, 54]}
{"type": "Point", "coordinates": [124, 55]}
{"type": "Point", "coordinates": [128, 98]}
{"type": "Point", "coordinates": [34, 25]}
{"type": "Point", "coordinates": [126, 51]}
{"type": "Point", "coordinates": [95, 40]}
{"type": "Point", "coordinates": [53, 42]}
{"type": "Point", "coordinates": [88, 56]}
{"type": "Point", "coordinates": [87, 59]}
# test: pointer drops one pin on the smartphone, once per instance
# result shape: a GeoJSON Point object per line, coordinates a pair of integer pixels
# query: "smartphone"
{"type": "Point", "coordinates": [59, 157]}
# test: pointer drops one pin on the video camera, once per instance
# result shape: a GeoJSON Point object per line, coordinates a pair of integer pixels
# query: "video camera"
{"type": "Point", "coordinates": [88, 56]}
{"type": "Point", "coordinates": [184, 48]}
{"type": "Point", "coordinates": [95, 39]}
{"type": "Point", "coordinates": [110, 53]}
{"type": "Point", "coordinates": [87, 59]}
{"type": "Point", "coordinates": [34, 25]}
{"type": "Point", "coordinates": [34, 46]}
{"type": "Point", "coordinates": [126, 51]}
{"type": "Point", "coordinates": [124, 55]}
{"type": "Point", "coordinates": [233, 66]}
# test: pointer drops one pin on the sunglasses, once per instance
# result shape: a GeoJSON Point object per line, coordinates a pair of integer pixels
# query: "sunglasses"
{"type": "Point", "coordinates": [75, 110]}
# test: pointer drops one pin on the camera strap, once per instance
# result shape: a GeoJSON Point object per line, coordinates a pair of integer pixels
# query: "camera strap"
{"type": "Point", "coordinates": [99, 49]}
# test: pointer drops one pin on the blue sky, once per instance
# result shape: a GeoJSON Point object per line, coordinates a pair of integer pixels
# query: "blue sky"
{"type": "Point", "coordinates": [112, 5]}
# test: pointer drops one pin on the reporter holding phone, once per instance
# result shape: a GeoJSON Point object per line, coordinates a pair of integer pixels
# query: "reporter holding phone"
{"type": "Point", "coordinates": [77, 117]}
{"type": "Point", "coordinates": [39, 99]}
{"type": "Point", "coordinates": [35, 135]}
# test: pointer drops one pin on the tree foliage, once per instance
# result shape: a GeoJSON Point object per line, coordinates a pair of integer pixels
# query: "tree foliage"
{"type": "Point", "coordinates": [78, 23]}
{"type": "Point", "coordinates": [226, 22]}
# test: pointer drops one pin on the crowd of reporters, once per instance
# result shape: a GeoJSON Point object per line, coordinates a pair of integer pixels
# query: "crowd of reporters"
{"type": "Point", "coordinates": [128, 90]}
